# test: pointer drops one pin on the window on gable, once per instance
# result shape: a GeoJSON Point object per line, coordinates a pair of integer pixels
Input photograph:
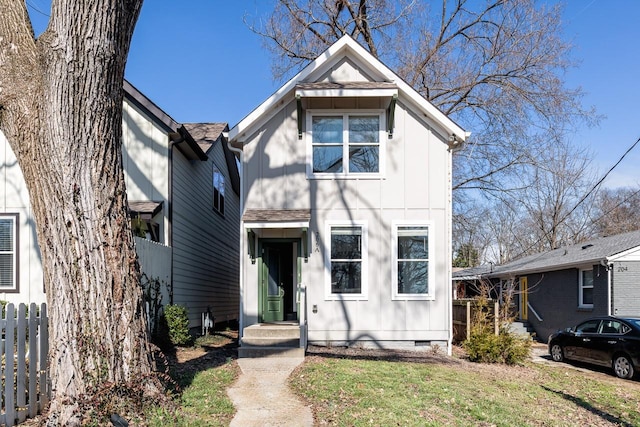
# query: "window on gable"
{"type": "Point", "coordinates": [586, 288]}
{"type": "Point", "coordinates": [8, 252]}
{"type": "Point", "coordinates": [218, 191]}
{"type": "Point", "coordinates": [347, 261]}
{"type": "Point", "coordinates": [412, 262]}
{"type": "Point", "coordinates": [345, 144]}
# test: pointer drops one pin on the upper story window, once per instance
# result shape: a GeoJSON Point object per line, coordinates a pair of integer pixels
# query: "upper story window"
{"type": "Point", "coordinates": [218, 191]}
{"type": "Point", "coordinates": [344, 144]}
{"type": "Point", "coordinates": [9, 253]}
{"type": "Point", "coordinates": [586, 289]}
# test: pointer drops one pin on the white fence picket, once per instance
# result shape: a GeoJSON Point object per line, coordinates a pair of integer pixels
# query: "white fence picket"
{"type": "Point", "coordinates": [24, 363]}
{"type": "Point", "coordinates": [9, 372]}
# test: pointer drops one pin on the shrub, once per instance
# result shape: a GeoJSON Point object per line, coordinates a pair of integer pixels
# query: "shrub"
{"type": "Point", "coordinates": [484, 345]}
{"type": "Point", "coordinates": [177, 323]}
{"type": "Point", "coordinates": [506, 347]}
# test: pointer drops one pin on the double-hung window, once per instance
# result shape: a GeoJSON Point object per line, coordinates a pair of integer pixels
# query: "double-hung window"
{"type": "Point", "coordinates": [218, 191]}
{"type": "Point", "coordinates": [585, 292]}
{"type": "Point", "coordinates": [9, 253]}
{"type": "Point", "coordinates": [412, 261]}
{"type": "Point", "coordinates": [345, 144]}
{"type": "Point", "coordinates": [346, 261]}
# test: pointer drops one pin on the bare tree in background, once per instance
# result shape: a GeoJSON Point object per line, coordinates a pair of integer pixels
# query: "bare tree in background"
{"type": "Point", "coordinates": [618, 211]}
{"type": "Point", "coordinates": [61, 111]}
{"type": "Point", "coordinates": [495, 67]}
{"type": "Point", "coordinates": [556, 210]}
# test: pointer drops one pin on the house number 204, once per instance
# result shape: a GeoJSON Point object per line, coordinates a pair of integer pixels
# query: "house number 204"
{"type": "Point", "coordinates": [622, 268]}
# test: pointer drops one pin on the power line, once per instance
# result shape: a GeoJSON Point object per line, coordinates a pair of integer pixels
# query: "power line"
{"type": "Point", "coordinates": [601, 180]}
{"type": "Point", "coordinates": [34, 7]}
{"type": "Point", "coordinates": [584, 197]}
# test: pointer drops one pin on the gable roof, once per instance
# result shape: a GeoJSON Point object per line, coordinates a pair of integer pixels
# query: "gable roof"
{"type": "Point", "coordinates": [587, 253]}
{"type": "Point", "coordinates": [206, 135]}
{"type": "Point", "coordinates": [346, 46]}
{"type": "Point", "coordinates": [176, 131]}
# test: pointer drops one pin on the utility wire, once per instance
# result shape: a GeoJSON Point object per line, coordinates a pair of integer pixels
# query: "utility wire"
{"type": "Point", "coordinates": [583, 197]}
{"type": "Point", "coordinates": [601, 180]}
{"type": "Point", "coordinates": [34, 7]}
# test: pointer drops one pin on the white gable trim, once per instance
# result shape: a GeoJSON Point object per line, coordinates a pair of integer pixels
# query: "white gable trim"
{"type": "Point", "coordinates": [361, 93]}
{"type": "Point", "coordinates": [243, 129]}
{"type": "Point", "coordinates": [632, 254]}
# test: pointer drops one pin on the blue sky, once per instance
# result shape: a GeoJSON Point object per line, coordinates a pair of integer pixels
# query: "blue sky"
{"type": "Point", "coordinates": [199, 62]}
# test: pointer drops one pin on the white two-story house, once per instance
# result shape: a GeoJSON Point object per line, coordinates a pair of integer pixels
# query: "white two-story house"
{"type": "Point", "coordinates": [346, 207]}
{"type": "Point", "coordinates": [183, 190]}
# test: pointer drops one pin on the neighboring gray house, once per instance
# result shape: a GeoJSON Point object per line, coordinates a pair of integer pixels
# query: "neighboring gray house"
{"type": "Point", "coordinates": [562, 287]}
{"type": "Point", "coordinates": [183, 190]}
{"type": "Point", "coordinates": [346, 207]}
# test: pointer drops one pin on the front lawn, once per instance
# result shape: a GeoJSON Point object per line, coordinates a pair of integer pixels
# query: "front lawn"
{"type": "Point", "coordinates": [361, 389]}
{"type": "Point", "coordinates": [352, 387]}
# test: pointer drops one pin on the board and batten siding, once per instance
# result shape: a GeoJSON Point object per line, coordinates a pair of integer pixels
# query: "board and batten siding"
{"type": "Point", "coordinates": [205, 243]}
{"type": "Point", "coordinates": [14, 199]}
{"type": "Point", "coordinates": [145, 160]}
{"type": "Point", "coordinates": [414, 187]}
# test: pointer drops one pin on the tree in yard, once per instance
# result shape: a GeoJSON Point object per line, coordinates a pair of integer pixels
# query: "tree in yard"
{"type": "Point", "coordinates": [618, 211]}
{"type": "Point", "coordinates": [61, 111]}
{"type": "Point", "coordinates": [495, 67]}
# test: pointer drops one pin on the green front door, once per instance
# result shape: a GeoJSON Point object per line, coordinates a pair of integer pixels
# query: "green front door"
{"type": "Point", "coordinates": [273, 286]}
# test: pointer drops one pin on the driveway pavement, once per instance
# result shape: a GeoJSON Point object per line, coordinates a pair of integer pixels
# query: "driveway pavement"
{"type": "Point", "coordinates": [261, 395]}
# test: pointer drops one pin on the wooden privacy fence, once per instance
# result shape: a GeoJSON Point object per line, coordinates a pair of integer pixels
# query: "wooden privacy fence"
{"type": "Point", "coordinates": [24, 347]}
{"type": "Point", "coordinates": [464, 311]}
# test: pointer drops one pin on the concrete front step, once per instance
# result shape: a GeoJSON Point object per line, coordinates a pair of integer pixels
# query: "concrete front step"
{"type": "Point", "coordinates": [264, 330]}
{"type": "Point", "coordinates": [271, 340]}
{"type": "Point", "coordinates": [250, 341]}
{"type": "Point", "coordinates": [521, 328]}
{"type": "Point", "coordinates": [246, 352]}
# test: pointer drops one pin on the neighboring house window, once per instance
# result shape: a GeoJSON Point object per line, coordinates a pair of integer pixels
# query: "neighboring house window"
{"type": "Point", "coordinates": [412, 263]}
{"type": "Point", "coordinates": [8, 252]}
{"type": "Point", "coordinates": [347, 261]}
{"type": "Point", "coordinates": [586, 288]}
{"type": "Point", "coordinates": [345, 144]}
{"type": "Point", "coordinates": [218, 191]}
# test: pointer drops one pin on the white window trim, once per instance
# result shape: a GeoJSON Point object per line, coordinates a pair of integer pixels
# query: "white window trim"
{"type": "Point", "coordinates": [581, 287]}
{"type": "Point", "coordinates": [364, 295]}
{"type": "Point", "coordinates": [394, 262]}
{"type": "Point", "coordinates": [345, 144]}
{"type": "Point", "coordinates": [221, 194]}
{"type": "Point", "coordinates": [14, 251]}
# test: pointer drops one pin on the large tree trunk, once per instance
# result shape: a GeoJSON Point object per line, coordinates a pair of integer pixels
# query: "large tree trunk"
{"type": "Point", "coordinates": [61, 111]}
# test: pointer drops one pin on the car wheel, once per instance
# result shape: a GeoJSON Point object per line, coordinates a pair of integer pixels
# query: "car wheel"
{"type": "Point", "coordinates": [557, 354]}
{"type": "Point", "coordinates": [623, 367]}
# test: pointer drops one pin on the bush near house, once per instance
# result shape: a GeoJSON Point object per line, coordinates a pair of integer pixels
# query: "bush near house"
{"type": "Point", "coordinates": [176, 322]}
{"type": "Point", "coordinates": [485, 346]}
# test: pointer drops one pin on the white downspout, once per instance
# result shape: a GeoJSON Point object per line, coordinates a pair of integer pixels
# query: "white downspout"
{"type": "Point", "coordinates": [609, 267]}
{"type": "Point", "coordinates": [454, 145]}
{"type": "Point", "coordinates": [242, 236]}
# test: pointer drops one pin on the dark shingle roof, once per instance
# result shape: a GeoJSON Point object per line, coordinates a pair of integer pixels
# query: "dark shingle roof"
{"type": "Point", "coordinates": [144, 208]}
{"type": "Point", "coordinates": [276, 215]}
{"type": "Point", "coordinates": [589, 252]}
{"type": "Point", "coordinates": [205, 134]}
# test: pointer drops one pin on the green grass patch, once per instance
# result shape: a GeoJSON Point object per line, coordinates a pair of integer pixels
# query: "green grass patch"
{"type": "Point", "coordinates": [203, 377]}
{"type": "Point", "coordinates": [376, 392]}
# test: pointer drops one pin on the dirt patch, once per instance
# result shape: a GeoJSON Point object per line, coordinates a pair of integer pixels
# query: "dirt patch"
{"type": "Point", "coordinates": [208, 352]}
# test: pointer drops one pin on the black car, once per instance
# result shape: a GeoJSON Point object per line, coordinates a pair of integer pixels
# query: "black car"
{"type": "Point", "coordinates": [606, 341]}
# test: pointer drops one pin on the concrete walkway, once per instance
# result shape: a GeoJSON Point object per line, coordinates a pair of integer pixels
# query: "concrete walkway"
{"type": "Point", "coordinates": [261, 395]}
